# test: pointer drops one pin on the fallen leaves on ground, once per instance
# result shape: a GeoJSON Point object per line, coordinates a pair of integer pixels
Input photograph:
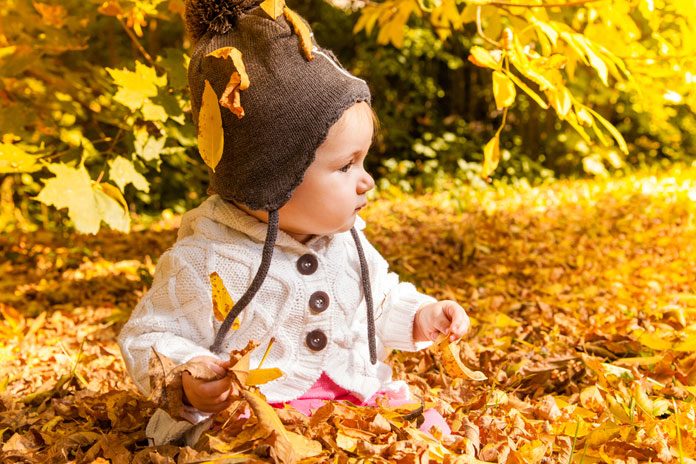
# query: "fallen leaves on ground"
{"type": "Point", "coordinates": [583, 300]}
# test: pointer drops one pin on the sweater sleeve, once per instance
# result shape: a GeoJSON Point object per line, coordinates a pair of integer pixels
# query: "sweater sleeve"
{"type": "Point", "coordinates": [173, 317]}
{"type": "Point", "coordinates": [395, 303]}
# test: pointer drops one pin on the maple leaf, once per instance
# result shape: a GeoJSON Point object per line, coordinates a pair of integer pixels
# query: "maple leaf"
{"type": "Point", "coordinates": [88, 203]}
{"type": "Point", "coordinates": [210, 135]}
{"type": "Point", "coordinates": [122, 172]}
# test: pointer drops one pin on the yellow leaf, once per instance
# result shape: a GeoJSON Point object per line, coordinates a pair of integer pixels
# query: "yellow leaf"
{"type": "Point", "coordinates": [535, 96]}
{"type": "Point", "coordinates": [210, 136]}
{"type": "Point", "coordinates": [273, 8]}
{"type": "Point", "coordinates": [114, 193]}
{"type": "Point", "coordinates": [302, 31]}
{"type": "Point", "coordinates": [288, 446]}
{"type": "Point", "coordinates": [491, 155]}
{"type": "Point", "coordinates": [482, 58]}
{"type": "Point", "coordinates": [688, 345]}
{"type": "Point", "coordinates": [261, 376]}
{"type": "Point", "coordinates": [222, 301]}
{"type": "Point", "coordinates": [503, 90]}
{"type": "Point", "coordinates": [452, 362]}
{"type": "Point", "coordinates": [236, 56]}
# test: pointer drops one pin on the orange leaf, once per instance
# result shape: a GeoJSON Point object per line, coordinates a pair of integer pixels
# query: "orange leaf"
{"type": "Point", "coordinates": [239, 80]}
{"type": "Point", "coordinates": [231, 98]}
{"type": "Point", "coordinates": [273, 8]}
{"type": "Point", "coordinates": [452, 363]}
{"type": "Point", "coordinates": [302, 32]}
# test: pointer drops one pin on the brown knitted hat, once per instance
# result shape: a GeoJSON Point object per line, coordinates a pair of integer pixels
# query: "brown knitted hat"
{"type": "Point", "coordinates": [280, 93]}
{"type": "Point", "coordinates": [291, 102]}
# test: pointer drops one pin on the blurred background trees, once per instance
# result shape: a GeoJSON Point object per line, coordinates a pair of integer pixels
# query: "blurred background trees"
{"type": "Point", "coordinates": [94, 112]}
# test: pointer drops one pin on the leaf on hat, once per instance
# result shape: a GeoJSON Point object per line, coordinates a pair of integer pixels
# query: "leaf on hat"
{"type": "Point", "coordinates": [210, 136]}
{"type": "Point", "coordinates": [302, 32]}
{"type": "Point", "coordinates": [239, 80]}
{"type": "Point", "coordinates": [273, 8]}
{"type": "Point", "coordinates": [452, 362]}
{"type": "Point", "coordinates": [231, 98]}
{"type": "Point", "coordinates": [222, 301]}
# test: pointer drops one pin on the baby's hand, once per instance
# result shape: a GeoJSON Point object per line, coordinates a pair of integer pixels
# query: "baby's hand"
{"type": "Point", "coordinates": [440, 317]}
{"type": "Point", "coordinates": [208, 395]}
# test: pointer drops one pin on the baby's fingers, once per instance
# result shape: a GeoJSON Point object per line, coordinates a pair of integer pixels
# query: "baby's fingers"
{"type": "Point", "coordinates": [215, 388]}
{"type": "Point", "coordinates": [459, 322]}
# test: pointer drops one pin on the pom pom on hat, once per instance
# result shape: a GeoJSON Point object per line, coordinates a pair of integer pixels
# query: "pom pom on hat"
{"type": "Point", "coordinates": [218, 16]}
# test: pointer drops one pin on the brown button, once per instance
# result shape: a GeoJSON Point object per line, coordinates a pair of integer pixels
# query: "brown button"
{"type": "Point", "coordinates": [307, 264]}
{"type": "Point", "coordinates": [316, 340]}
{"type": "Point", "coordinates": [319, 301]}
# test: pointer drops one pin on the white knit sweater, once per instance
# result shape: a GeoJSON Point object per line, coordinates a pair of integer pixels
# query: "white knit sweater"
{"type": "Point", "coordinates": [176, 318]}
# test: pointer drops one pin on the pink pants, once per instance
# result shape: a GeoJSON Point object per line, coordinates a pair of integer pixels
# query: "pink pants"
{"type": "Point", "coordinates": [325, 389]}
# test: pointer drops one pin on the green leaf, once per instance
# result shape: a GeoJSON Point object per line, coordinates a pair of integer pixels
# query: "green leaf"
{"type": "Point", "coordinates": [122, 172]}
{"type": "Point", "coordinates": [14, 159]}
{"type": "Point", "coordinates": [136, 87]}
{"type": "Point", "coordinates": [174, 61]}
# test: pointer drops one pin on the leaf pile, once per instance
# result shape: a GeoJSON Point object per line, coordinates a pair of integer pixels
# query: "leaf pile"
{"type": "Point", "coordinates": [582, 297]}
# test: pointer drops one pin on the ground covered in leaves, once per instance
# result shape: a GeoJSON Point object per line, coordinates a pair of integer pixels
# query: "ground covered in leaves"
{"type": "Point", "coordinates": [582, 296]}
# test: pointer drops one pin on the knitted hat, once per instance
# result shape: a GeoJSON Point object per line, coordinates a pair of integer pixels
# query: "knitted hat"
{"type": "Point", "coordinates": [263, 97]}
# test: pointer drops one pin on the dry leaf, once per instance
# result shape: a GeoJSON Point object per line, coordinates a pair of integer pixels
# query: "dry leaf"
{"type": "Point", "coordinates": [302, 31]}
{"type": "Point", "coordinates": [210, 136]}
{"type": "Point", "coordinates": [273, 8]}
{"type": "Point", "coordinates": [261, 376]}
{"type": "Point", "coordinates": [231, 98]}
{"type": "Point", "coordinates": [239, 80]}
{"type": "Point", "coordinates": [222, 301]}
{"type": "Point", "coordinates": [451, 361]}
{"type": "Point", "coordinates": [289, 447]}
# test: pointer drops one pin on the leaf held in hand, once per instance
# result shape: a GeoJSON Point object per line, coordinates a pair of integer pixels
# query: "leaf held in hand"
{"type": "Point", "coordinates": [261, 376]}
{"type": "Point", "coordinates": [302, 32]}
{"type": "Point", "coordinates": [452, 362]}
{"type": "Point", "coordinates": [210, 136]}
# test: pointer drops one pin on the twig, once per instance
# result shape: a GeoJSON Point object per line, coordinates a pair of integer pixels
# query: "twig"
{"type": "Point", "coordinates": [137, 43]}
{"type": "Point", "coordinates": [479, 29]}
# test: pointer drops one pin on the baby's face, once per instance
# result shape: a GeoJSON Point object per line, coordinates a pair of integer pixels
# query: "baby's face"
{"type": "Point", "coordinates": [334, 186]}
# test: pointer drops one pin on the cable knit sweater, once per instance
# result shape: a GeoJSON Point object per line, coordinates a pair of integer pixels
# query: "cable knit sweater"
{"type": "Point", "coordinates": [176, 316]}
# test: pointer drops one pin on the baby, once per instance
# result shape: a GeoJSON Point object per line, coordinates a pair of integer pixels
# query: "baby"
{"type": "Point", "coordinates": [282, 230]}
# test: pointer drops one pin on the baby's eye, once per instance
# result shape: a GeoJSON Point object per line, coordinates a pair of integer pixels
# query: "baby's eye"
{"type": "Point", "coordinates": [346, 167]}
